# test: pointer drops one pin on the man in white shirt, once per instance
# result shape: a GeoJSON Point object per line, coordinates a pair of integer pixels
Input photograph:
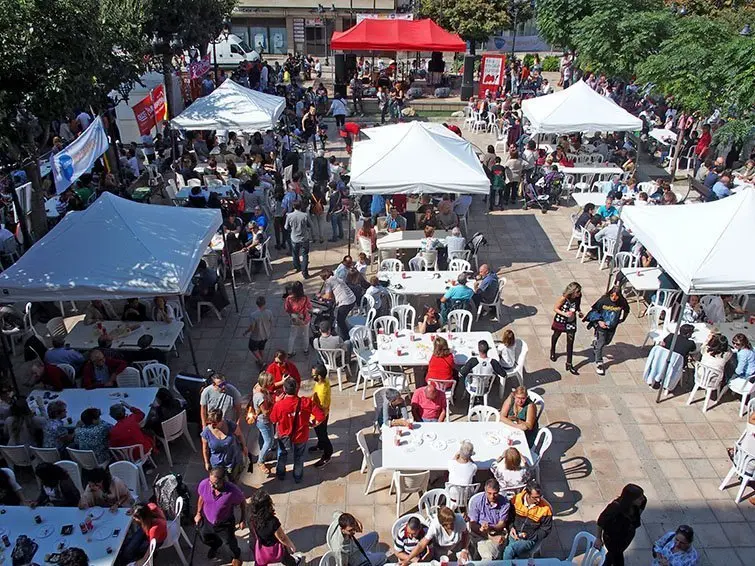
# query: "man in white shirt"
{"type": "Point", "coordinates": [611, 231]}
{"type": "Point", "coordinates": [318, 68]}
{"type": "Point", "coordinates": [339, 110]}
{"type": "Point", "coordinates": [148, 147]}
{"type": "Point", "coordinates": [455, 242]}
{"type": "Point", "coordinates": [133, 163]}
{"type": "Point", "coordinates": [337, 290]}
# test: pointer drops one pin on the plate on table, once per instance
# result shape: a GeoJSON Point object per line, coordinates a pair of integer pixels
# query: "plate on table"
{"type": "Point", "coordinates": [492, 439]}
{"type": "Point", "coordinates": [96, 512]}
{"type": "Point", "coordinates": [440, 445]}
{"type": "Point", "coordinates": [45, 532]}
{"type": "Point", "coordinates": [115, 395]}
{"type": "Point", "coordinates": [102, 533]}
{"type": "Point", "coordinates": [429, 436]}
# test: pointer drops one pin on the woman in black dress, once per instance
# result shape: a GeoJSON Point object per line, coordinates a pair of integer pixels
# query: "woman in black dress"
{"type": "Point", "coordinates": [272, 543]}
{"type": "Point", "coordinates": [618, 523]}
{"type": "Point", "coordinates": [565, 322]}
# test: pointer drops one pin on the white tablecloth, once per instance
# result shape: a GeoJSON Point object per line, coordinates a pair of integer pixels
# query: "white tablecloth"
{"type": "Point", "coordinates": [662, 135]}
{"type": "Point", "coordinates": [416, 349]}
{"type": "Point", "coordinates": [421, 282]}
{"type": "Point", "coordinates": [643, 278]}
{"type": "Point", "coordinates": [728, 329]}
{"type": "Point", "coordinates": [596, 170]}
{"type": "Point", "coordinates": [598, 199]}
{"type": "Point", "coordinates": [16, 521]}
{"type": "Point", "coordinates": [164, 334]}
{"type": "Point", "coordinates": [79, 399]}
{"type": "Point", "coordinates": [222, 190]}
{"type": "Point", "coordinates": [408, 239]}
{"type": "Point", "coordinates": [440, 441]}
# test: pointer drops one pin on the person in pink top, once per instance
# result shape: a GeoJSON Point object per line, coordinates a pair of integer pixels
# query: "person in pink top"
{"type": "Point", "coordinates": [299, 308]}
{"type": "Point", "coordinates": [429, 404]}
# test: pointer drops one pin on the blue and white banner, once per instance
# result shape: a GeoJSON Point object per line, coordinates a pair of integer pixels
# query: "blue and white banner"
{"type": "Point", "coordinates": [78, 157]}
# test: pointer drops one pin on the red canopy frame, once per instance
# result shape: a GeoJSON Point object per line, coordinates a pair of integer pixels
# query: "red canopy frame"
{"type": "Point", "coordinates": [397, 35]}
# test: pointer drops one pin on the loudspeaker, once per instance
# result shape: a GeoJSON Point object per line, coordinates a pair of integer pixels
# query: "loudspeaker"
{"type": "Point", "coordinates": [351, 65]}
{"type": "Point", "coordinates": [190, 387]}
{"type": "Point", "coordinates": [467, 81]}
{"type": "Point", "coordinates": [340, 63]}
{"type": "Point", "coordinates": [340, 88]}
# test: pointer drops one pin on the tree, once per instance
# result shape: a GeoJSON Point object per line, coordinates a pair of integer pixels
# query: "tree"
{"type": "Point", "coordinates": [57, 56]}
{"type": "Point", "coordinates": [557, 21]}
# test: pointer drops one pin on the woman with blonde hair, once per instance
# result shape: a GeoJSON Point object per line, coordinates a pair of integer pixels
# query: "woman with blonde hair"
{"type": "Point", "coordinates": [507, 349]}
{"type": "Point", "coordinates": [566, 310]}
{"type": "Point", "coordinates": [509, 471]}
{"type": "Point", "coordinates": [261, 405]}
{"type": "Point", "coordinates": [519, 411]}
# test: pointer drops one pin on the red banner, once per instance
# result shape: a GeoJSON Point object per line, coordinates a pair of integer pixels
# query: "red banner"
{"type": "Point", "coordinates": [199, 69]}
{"type": "Point", "coordinates": [492, 72]}
{"type": "Point", "coordinates": [159, 103]}
{"type": "Point", "coordinates": [151, 110]}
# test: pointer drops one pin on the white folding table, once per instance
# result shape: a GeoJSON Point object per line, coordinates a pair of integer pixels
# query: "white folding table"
{"type": "Point", "coordinates": [420, 282]}
{"type": "Point", "coordinates": [583, 198]}
{"type": "Point", "coordinates": [77, 400]}
{"type": "Point", "coordinates": [408, 239]}
{"type": "Point", "coordinates": [407, 348]}
{"type": "Point", "coordinates": [125, 334]}
{"type": "Point", "coordinates": [642, 279]}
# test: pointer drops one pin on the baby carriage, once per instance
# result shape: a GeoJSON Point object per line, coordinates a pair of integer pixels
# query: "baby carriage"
{"type": "Point", "coordinates": [545, 193]}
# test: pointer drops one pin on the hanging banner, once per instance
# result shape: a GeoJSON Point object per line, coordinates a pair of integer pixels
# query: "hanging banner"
{"type": "Point", "coordinates": [150, 110]}
{"type": "Point", "coordinates": [390, 16]}
{"type": "Point", "coordinates": [199, 69]}
{"type": "Point", "coordinates": [492, 69]}
{"type": "Point", "coordinates": [78, 157]}
{"type": "Point", "coordinates": [159, 104]}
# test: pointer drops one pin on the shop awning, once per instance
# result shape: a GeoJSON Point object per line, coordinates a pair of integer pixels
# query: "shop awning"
{"type": "Point", "coordinates": [397, 35]}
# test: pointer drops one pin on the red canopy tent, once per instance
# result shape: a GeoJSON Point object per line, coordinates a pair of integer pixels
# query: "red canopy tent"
{"type": "Point", "coordinates": [396, 35]}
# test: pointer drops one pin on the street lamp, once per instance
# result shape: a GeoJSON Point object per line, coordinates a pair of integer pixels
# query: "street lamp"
{"type": "Point", "coordinates": [223, 36]}
{"type": "Point", "coordinates": [514, 7]}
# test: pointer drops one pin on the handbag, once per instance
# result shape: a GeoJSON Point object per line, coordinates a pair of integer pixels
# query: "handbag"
{"type": "Point", "coordinates": [264, 555]}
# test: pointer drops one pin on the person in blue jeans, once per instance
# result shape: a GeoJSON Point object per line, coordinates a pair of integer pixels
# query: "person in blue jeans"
{"type": "Point", "coordinates": [262, 404]}
{"type": "Point", "coordinates": [336, 212]}
{"type": "Point", "coordinates": [533, 521]}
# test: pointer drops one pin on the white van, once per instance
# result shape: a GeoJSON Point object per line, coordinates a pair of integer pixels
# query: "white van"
{"type": "Point", "coordinates": [231, 51]}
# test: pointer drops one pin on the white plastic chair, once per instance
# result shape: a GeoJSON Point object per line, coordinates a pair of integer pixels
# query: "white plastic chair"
{"type": "Point", "coordinates": [477, 386]}
{"type": "Point", "coordinates": [264, 258]}
{"type": "Point", "coordinates": [586, 245]}
{"type": "Point", "coordinates": [460, 320]}
{"type": "Point", "coordinates": [17, 456]}
{"type": "Point", "coordinates": [418, 263]}
{"type": "Point", "coordinates": [406, 316]}
{"type": "Point", "coordinates": [656, 318]}
{"type": "Point", "coordinates": [156, 375]}
{"type": "Point", "coordinates": [447, 386]}
{"type": "Point", "coordinates": [608, 245]}
{"type": "Point", "coordinates": [328, 559]}
{"type": "Point", "coordinates": [459, 266]}
{"type": "Point", "coordinates": [624, 260]}
{"type": "Point", "coordinates": [131, 476]}
{"type": "Point", "coordinates": [361, 339]}
{"type": "Point", "coordinates": [543, 441]}
{"type": "Point", "coordinates": [592, 556]}
{"type": "Point", "coordinates": [175, 532]}
{"type": "Point", "coordinates": [743, 387]}
{"type": "Point", "coordinates": [743, 466]}
{"type": "Point", "coordinates": [86, 459]}
{"type": "Point", "coordinates": [129, 377]}
{"type": "Point", "coordinates": [57, 327]}
{"type": "Point", "coordinates": [372, 462]}
{"type": "Point", "coordinates": [518, 370]}
{"type": "Point", "coordinates": [69, 371]}
{"type": "Point", "coordinates": [576, 233]}
{"type": "Point", "coordinates": [484, 414]}
{"type": "Point", "coordinates": [49, 455]}
{"type": "Point", "coordinates": [74, 472]}
{"type": "Point", "coordinates": [459, 495]}
{"type": "Point", "coordinates": [431, 257]}
{"type": "Point", "coordinates": [391, 264]}
{"type": "Point", "coordinates": [135, 455]}
{"type": "Point", "coordinates": [368, 371]}
{"type": "Point", "coordinates": [152, 545]}
{"type": "Point", "coordinates": [174, 428]}
{"type": "Point", "coordinates": [385, 325]}
{"type": "Point", "coordinates": [538, 401]}
{"type": "Point", "coordinates": [407, 483]}
{"type": "Point", "coordinates": [497, 303]}
{"type": "Point", "coordinates": [707, 378]}
{"type": "Point", "coordinates": [667, 298]}
{"type": "Point", "coordinates": [335, 359]}
{"type": "Point", "coordinates": [394, 380]}
{"type": "Point", "coordinates": [460, 254]}
{"type": "Point", "coordinates": [240, 262]}
{"type": "Point", "coordinates": [431, 501]}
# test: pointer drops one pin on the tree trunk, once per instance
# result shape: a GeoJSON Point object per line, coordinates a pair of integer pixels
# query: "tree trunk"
{"type": "Point", "coordinates": [168, 80]}
{"type": "Point", "coordinates": [38, 212]}
{"type": "Point", "coordinates": [679, 143]}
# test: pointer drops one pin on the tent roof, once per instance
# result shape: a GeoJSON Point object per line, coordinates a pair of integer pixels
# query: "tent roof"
{"type": "Point", "coordinates": [703, 246]}
{"type": "Point", "coordinates": [397, 35]}
{"type": "Point", "coordinates": [577, 109]}
{"type": "Point", "coordinates": [115, 249]}
{"type": "Point", "coordinates": [416, 157]}
{"type": "Point", "coordinates": [232, 107]}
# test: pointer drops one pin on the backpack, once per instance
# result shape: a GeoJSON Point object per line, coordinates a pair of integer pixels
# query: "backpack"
{"type": "Point", "coordinates": [167, 490]}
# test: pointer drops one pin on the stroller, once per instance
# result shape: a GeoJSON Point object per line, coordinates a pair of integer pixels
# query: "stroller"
{"type": "Point", "coordinates": [475, 243]}
{"type": "Point", "coordinates": [544, 194]}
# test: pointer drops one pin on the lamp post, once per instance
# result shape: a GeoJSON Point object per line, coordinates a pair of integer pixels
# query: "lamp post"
{"type": "Point", "coordinates": [223, 36]}
{"type": "Point", "coordinates": [514, 7]}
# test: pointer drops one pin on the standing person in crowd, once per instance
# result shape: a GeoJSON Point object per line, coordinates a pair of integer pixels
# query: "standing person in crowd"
{"type": "Point", "coordinates": [348, 549]}
{"type": "Point", "coordinates": [152, 525]}
{"type": "Point", "coordinates": [298, 223]}
{"type": "Point", "coordinates": [338, 109]}
{"type": "Point", "coordinates": [262, 404]}
{"type": "Point", "coordinates": [618, 522]}
{"type": "Point", "coordinates": [260, 329]}
{"type": "Point", "coordinates": [216, 504]}
{"type": "Point", "coordinates": [321, 399]}
{"type": "Point", "coordinates": [281, 368]}
{"type": "Point", "coordinates": [514, 168]}
{"type": "Point", "coordinates": [337, 290]}
{"type": "Point", "coordinates": [21, 427]}
{"type": "Point", "coordinates": [566, 310]}
{"type": "Point", "coordinates": [299, 308]}
{"type": "Point", "coordinates": [533, 521]}
{"type": "Point", "coordinates": [605, 316]}
{"type": "Point", "coordinates": [223, 445]}
{"type": "Point", "coordinates": [675, 548]}
{"type": "Point", "coordinates": [489, 522]}
{"type": "Point", "coordinates": [220, 395]}
{"type": "Point", "coordinates": [272, 544]}
{"type": "Point", "coordinates": [317, 214]}
{"type": "Point", "coordinates": [292, 415]}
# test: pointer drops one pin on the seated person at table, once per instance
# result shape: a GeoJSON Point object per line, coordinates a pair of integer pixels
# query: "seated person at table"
{"type": "Point", "coordinates": [206, 280]}
{"type": "Point", "coordinates": [281, 368]}
{"type": "Point", "coordinates": [509, 469]}
{"type": "Point", "coordinates": [163, 311]}
{"type": "Point", "coordinates": [368, 231]}
{"type": "Point", "coordinates": [98, 311]}
{"type": "Point", "coordinates": [348, 549]}
{"type": "Point", "coordinates": [447, 536]}
{"type": "Point", "coordinates": [455, 242]}
{"type": "Point", "coordinates": [197, 198]}
{"type": "Point", "coordinates": [152, 525]}
{"type": "Point", "coordinates": [429, 243]}
{"type": "Point", "coordinates": [55, 433]}
{"type": "Point", "coordinates": [134, 311]}
{"type": "Point", "coordinates": [461, 470]}
{"type": "Point", "coordinates": [459, 293]}
{"type": "Point", "coordinates": [165, 406]}
{"type": "Point", "coordinates": [21, 427]}
{"type": "Point", "coordinates": [259, 217]}
{"type": "Point", "coordinates": [533, 521]}
{"type": "Point", "coordinates": [427, 219]}
{"type": "Point", "coordinates": [380, 295]}
{"type": "Point", "coordinates": [105, 345]}
{"type": "Point", "coordinates": [56, 487]}
{"type": "Point", "coordinates": [146, 352]}
{"type": "Point", "coordinates": [395, 222]}
{"type": "Point", "coordinates": [485, 286]}
{"type": "Point", "coordinates": [362, 264]}
{"type": "Point", "coordinates": [430, 321]}
{"type": "Point", "coordinates": [105, 490]}
{"type": "Point", "coordinates": [693, 311]}
{"type": "Point", "coordinates": [328, 341]}
{"type": "Point", "coordinates": [745, 357]}
{"type": "Point", "coordinates": [585, 216]}
{"type": "Point", "coordinates": [441, 364]}
{"type": "Point", "coordinates": [608, 209]}
{"type": "Point", "coordinates": [92, 434]}
{"type": "Point", "coordinates": [721, 188]}
{"type": "Point", "coordinates": [489, 521]}
{"type": "Point", "coordinates": [447, 220]}
{"type": "Point", "coordinates": [100, 371]}
{"type": "Point", "coordinates": [519, 411]}
{"type": "Point", "coordinates": [62, 354]}
{"type": "Point", "coordinates": [684, 345]}
{"type": "Point", "coordinates": [747, 171]}
{"type": "Point", "coordinates": [407, 538]}
{"type": "Point", "coordinates": [716, 352]}
{"type": "Point", "coordinates": [481, 364]}
{"type": "Point", "coordinates": [11, 493]}
{"type": "Point", "coordinates": [714, 310]}
{"type": "Point", "coordinates": [393, 411]}
{"type": "Point", "coordinates": [49, 375]}
{"type": "Point", "coordinates": [594, 224]}
{"type": "Point", "coordinates": [127, 430]}
{"type": "Point", "coordinates": [611, 231]}
{"type": "Point", "coordinates": [732, 309]}
{"type": "Point", "coordinates": [254, 244]}
{"type": "Point", "coordinates": [429, 404]}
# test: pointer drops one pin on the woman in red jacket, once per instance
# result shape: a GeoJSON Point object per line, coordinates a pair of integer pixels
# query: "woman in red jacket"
{"type": "Point", "coordinates": [441, 365]}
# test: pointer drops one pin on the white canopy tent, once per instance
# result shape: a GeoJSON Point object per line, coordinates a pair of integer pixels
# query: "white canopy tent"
{"type": "Point", "coordinates": [115, 249]}
{"type": "Point", "coordinates": [416, 157]}
{"type": "Point", "coordinates": [577, 109]}
{"type": "Point", "coordinates": [703, 246]}
{"type": "Point", "coordinates": [232, 107]}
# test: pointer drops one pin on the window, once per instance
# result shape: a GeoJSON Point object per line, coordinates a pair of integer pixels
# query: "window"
{"type": "Point", "coordinates": [236, 49]}
{"type": "Point", "coordinates": [278, 40]}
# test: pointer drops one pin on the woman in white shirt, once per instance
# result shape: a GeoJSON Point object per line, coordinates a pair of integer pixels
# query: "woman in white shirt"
{"type": "Point", "coordinates": [448, 536]}
{"type": "Point", "coordinates": [507, 350]}
{"type": "Point", "coordinates": [509, 471]}
{"type": "Point", "coordinates": [716, 352]}
{"type": "Point", "coordinates": [461, 471]}
{"type": "Point", "coordinates": [714, 309]}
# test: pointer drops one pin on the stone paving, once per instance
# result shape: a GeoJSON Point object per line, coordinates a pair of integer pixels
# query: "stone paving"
{"type": "Point", "coordinates": [607, 431]}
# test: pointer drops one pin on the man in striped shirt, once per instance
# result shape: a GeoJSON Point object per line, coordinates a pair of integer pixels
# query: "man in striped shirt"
{"type": "Point", "coordinates": [407, 538]}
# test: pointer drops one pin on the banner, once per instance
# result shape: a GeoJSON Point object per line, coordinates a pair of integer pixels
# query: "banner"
{"type": "Point", "coordinates": [198, 69]}
{"type": "Point", "coordinates": [390, 16]}
{"type": "Point", "coordinates": [78, 157]}
{"type": "Point", "coordinates": [150, 110]}
{"type": "Point", "coordinates": [492, 70]}
{"type": "Point", "coordinates": [159, 104]}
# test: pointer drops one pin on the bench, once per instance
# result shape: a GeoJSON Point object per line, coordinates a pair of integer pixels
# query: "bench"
{"type": "Point", "coordinates": [698, 187]}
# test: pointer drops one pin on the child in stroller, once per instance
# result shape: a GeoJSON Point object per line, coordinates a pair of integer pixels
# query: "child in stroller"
{"type": "Point", "coordinates": [544, 192]}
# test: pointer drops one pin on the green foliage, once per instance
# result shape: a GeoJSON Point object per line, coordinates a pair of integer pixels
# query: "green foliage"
{"type": "Point", "coordinates": [528, 60]}
{"type": "Point", "coordinates": [473, 20]}
{"type": "Point", "coordinates": [193, 22]}
{"type": "Point", "coordinates": [557, 20]}
{"type": "Point", "coordinates": [736, 132]}
{"type": "Point", "coordinates": [551, 63]}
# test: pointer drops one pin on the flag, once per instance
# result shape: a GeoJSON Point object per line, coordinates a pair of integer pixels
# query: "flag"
{"type": "Point", "coordinates": [78, 157]}
{"type": "Point", "coordinates": [151, 110]}
{"type": "Point", "coordinates": [200, 68]}
{"type": "Point", "coordinates": [159, 103]}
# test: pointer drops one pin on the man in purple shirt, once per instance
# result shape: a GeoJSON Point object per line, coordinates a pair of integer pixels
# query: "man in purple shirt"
{"type": "Point", "coordinates": [489, 521]}
{"type": "Point", "coordinates": [215, 514]}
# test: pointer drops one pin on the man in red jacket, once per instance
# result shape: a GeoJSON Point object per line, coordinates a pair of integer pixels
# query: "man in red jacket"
{"type": "Point", "coordinates": [127, 430]}
{"type": "Point", "coordinates": [291, 415]}
{"type": "Point", "coordinates": [100, 371]}
{"type": "Point", "coordinates": [281, 368]}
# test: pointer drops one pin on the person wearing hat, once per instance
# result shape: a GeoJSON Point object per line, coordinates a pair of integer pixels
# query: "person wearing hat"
{"type": "Point", "coordinates": [146, 352]}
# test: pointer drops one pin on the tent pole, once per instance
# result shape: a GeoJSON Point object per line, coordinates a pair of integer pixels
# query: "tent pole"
{"type": "Point", "coordinates": [191, 349]}
{"type": "Point", "coordinates": [228, 257]}
{"type": "Point", "coordinates": [10, 363]}
{"type": "Point", "coordinates": [667, 363]}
